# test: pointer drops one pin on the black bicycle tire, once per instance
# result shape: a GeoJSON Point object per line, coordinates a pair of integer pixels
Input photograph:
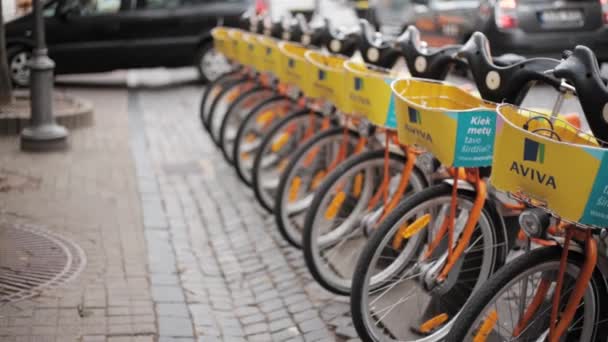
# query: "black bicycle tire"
{"type": "Point", "coordinates": [216, 101]}
{"type": "Point", "coordinates": [267, 141]}
{"type": "Point", "coordinates": [224, 78]}
{"type": "Point", "coordinates": [231, 111]}
{"type": "Point", "coordinates": [241, 132]}
{"type": "Point", "coordinates": [323, 189]}
{"type": "Point", "coordinates": [508, 272]}
{"type": "Point", "coordinates": [298, 154]}
{"type": "Point", "coordinates": [393, 218]}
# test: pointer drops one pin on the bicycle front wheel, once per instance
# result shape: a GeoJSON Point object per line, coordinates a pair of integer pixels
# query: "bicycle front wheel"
{"type": "Point", "coordinates": [309, 165]}
{"type": "Point", "coordinates": [213, 89]}
{"type": "Point", "coordinates": [345, 210]}
{"type": "Point", "coordinates": [235, 116]}
{"type": "Point", "coordinates": [497, 311]}
{"type": "Point", "coordinates": [395, 295]}
{"type": "Point", "coordinates": [277, 148]}
{"type": "Point", "coordinates": [254, 127]}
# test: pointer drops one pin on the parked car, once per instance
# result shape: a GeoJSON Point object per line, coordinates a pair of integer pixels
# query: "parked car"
{"type": "Point", "coordinates": [527, 27]}
{"type": "Point", "coordinates": [102, 35]}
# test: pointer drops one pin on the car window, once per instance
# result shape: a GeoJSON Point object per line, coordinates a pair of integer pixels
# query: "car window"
{"type": "Point", "coordinates": [106, 6]}
{"type": "Point", "coordinates": [50, 9]}
{"type": "Point", "coordinates": [200, 2]}
{"type": "Point", "coordinates": [157, 4]}
{"type": "Point", "coordinates": [93, 7]}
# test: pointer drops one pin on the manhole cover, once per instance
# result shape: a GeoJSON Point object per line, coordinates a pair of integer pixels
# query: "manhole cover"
{"type": "Point", "coordinates": [33, 260]}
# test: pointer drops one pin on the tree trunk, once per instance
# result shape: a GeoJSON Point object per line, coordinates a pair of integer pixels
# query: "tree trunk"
{"type": "Point", "coordinates": [6, 91]}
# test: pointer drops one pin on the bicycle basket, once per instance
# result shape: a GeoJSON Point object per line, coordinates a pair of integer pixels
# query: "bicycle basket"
{"type": "Point", "coordinates": [238, 45]}
{"type": "Point", "coordinates": [368, 89]}
{"type": "Point", "coordinates": [269, 55]}
{"type": "Point", "coordinates": [328, 78]}
{"type": "Point", "coordinates": [252, 51]}
{"type": "Point", "coordinates": [295, 69]}
{"type": "Point", "coordinates": [221, 41]}
{"type": "Point", "coordinates": [552, 165]}
{"type": "Point", "coordinates": [455, 126]}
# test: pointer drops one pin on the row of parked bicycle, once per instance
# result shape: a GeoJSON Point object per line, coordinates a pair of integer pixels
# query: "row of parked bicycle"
{"type": "Point", "coordinates": [445, 211]}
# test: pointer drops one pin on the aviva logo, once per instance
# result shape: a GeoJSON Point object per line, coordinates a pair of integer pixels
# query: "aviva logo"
{"type": "Point", "coordinates": [414, 115]}
{"type": "Point", "coordinates": [358, 84]}
{"type": "Point", "coordinates": [534, 151]}
{"type": "Point", "coordinates": [415, 118]}
{"type": "Point", "coordinates": [322, 75]}
{"type": "Point", "coordinates": [291, 62]}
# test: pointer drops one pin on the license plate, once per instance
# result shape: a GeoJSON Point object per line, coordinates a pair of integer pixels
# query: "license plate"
{"type": "Point", "coordinates": [569, 18]}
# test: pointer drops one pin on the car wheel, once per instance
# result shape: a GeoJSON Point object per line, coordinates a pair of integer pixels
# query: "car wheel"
{"type": "Point", "coordinates": [210, 63]}
{"type": "Point", "coordinates": [18, 59]}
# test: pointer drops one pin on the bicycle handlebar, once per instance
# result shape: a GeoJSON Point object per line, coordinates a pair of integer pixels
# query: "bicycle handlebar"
{"type": "Point", "coordinates": [421, 61]}
{"type": "Point", "coordinates": [581, 68]}
{"type": "Point", "coordinates": [508, 83]}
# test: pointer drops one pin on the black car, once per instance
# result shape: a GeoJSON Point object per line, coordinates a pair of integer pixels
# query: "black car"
{"type": "Point", "coordinates": [102, 35]}
{"type": "Point", "coordinates": [527, 27]}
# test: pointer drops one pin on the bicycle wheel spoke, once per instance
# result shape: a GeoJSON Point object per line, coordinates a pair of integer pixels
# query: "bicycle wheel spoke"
{"type": "Point", "coordinates": [390, 308]}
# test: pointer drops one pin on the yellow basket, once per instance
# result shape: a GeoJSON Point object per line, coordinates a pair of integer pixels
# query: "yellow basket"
{"type": "Point", "coordinates": [295, 69]}
{"type": "Point", "coordinates": [368, 88]}
{"type": "Point", "coordinates": [252, 51]}
{"type": "Point", "coordinates": [269, 54]}
{"type": "Point", "coordinates": [221, 41]}
{"type": "Point", "coordinates": [455, 126]}
{"type": "Point", "coordinates": [565, 171]}
{"type": "Point", "coordinates": [239, 46]}
{"type": "Point", "coordinates": [329, 77]}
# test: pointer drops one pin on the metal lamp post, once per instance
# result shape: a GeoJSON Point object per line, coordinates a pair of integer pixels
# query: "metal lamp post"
{"type": "Point", "coordinates": [43, 133]}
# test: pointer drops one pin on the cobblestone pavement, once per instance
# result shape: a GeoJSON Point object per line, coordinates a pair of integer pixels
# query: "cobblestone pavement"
{"type": "Point", "coordinates": [219, 269]}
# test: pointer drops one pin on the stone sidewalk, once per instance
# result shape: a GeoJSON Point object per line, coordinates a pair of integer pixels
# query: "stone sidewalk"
{"type": "Point", "coordinates": [89, 195]}
{"type": "Point", "coordinates": [177, 248]}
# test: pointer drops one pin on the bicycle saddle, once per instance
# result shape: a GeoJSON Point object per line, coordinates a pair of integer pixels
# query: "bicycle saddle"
{"type": "Point", "coordinates": [274, 28]}
{"type": "Point", "coordinates": [256, 24]}
{"type": "Point", "coordinates": [508, 83]}
{"type": "Point", "coordinates": [294, 30]}
{"type": "Point", "coordinates": [508, 59]}
{"type": "Point", "coordinates": [581, 69]}
{"type": "Point", "coordinates": [341, 41]}
{"type": "Point", "coordinates": [246, 19]}
{"type": "Point", "coordinates": [423, 62]}
{"type": "Point", "coordinates": [375, 48]}
{"type": "Point", "coordinates": [316, 34]}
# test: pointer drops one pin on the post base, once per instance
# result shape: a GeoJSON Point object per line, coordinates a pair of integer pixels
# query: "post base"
{"type": "Point", "coordinates": [44, 138]}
